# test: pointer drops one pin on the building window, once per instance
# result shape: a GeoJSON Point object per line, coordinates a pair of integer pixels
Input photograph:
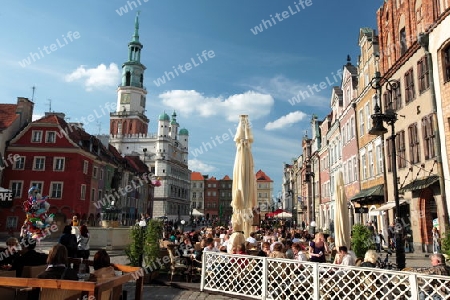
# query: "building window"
{"type": "Point", "coordinates": [58, 164]}
{"type": "Point", "coordinates": [20, 163]}
{"type": "Point", "coordinates": [397, 97]}
{"type": "Point", "coordinates": [389, 154]}
{"type": "Point", "coordinates": [410, 93]}
{"type": "Point", "coordinates": [208, 194]}
{"type": "Point", "coordinates": [352, 123]}
{"type": "Point", "coordinates": [101, 174]}
{"type": "Point", "coordinates": [447, 64]}
{"type": "Point", "coordinates": [414, 150]}
{"type": "Point", "coordinates": [100, 194]}
{"type": "Point", "coordinates": [83, 192]}
{"type": "Point", "coordinates": [194, 195]}
{"type": "Point", "coordinates": [214, 194]}
{"type": "Point", "coordinates": [387, 99]}
{"type": "Point", "coordinates": [39, 163]}
{"type": "Point", "coordinates": [50, 137]}
{"type": "Point", "coordinates": [368, 116]}
{"type": "Point", "coordinates": [361, 122]}
{"type": "Point", "coordinates": [94, 172]}
{"type": "Point", "coordinates": [36, 136]}
{"type": "Point", "coordinates": [428, 136]}
{"type": "Point", "coordinates": [92, 194]}
{"type": "Point", "coordinates": [194, 185]}
{"type": "Point", "coordinates": [403, 44]}
{"type": "Point", "coordinates": [11, 222]}
{"type": "Point", "coordinates": [85, 167]}
{"type": "Point", "coordinates": [16, 188]}
{"type": "Point", "coordinates": [379, 154]}
{"type": "Point", "coordinates": [371, 163]}
{"type": "Point", "coordinates": [355, 170]}
{"type": "Point", "coordinates": [422, 74]}
{"type": "Point", "coordinates": [39, 185]}
{"type": "Point", "coordinates": [364, 166]}
{"type": "Point", "coordinates": [56, 190]}
{"type": "Point", "coordinates": [401, 149]}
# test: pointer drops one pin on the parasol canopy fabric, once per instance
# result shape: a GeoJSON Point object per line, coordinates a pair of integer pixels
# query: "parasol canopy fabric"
{"type": "Point", "coordinates": [244, 179]}
{"type": "Point", "coordinates": [341, 222]}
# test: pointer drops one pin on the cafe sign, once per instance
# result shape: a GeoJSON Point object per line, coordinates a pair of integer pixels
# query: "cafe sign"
{"type": "Point", "coordinates": [6, 198]}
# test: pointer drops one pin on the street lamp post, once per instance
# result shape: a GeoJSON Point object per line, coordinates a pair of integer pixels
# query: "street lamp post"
{"type": "Point", "coordinates": [312, 214]}
{"type": "Point", "coordinates": [390, 117]}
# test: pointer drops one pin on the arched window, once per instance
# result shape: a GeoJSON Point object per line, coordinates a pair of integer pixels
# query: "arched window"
{"type": "Point", "coordinates": [127, 78]}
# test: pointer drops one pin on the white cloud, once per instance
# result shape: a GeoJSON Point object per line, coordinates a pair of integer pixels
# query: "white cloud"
{"type": "Point", "coordinates": [98, 77]}
{"type": "Point", "coordinates": [286, 121]}
{"type": "Point", "coordinates": [199, 166]}
{"type": "Point", "coordinates": [251, 103]}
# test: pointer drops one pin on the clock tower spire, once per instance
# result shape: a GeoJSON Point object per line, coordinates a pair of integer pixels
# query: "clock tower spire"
{"type": "Point", "coordinates": [130, 119]}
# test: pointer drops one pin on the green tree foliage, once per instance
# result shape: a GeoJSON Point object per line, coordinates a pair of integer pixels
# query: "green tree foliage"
{"type": "Point", "coordinates": [362, 240]}
{"type": "Point", "coordinates": [445, 243]}
{"type": "Point", "coordinates": [136, 248]}
{"type": "Point", "coordinates": [153, 235]}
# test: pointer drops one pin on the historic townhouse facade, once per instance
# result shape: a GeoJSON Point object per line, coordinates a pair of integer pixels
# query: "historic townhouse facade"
{"type": "Point", "coordinates": [370, 171]}
{"type": "Point", "coordinates": [438, 51]}
{"type": "Point", "coordinates": [403, 59]}
{"type": "Point", "coordinates": [225, 210]}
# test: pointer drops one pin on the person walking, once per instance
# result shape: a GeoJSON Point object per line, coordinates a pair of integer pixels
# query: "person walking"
{"type": "Point", "coordinates": [436, 240]}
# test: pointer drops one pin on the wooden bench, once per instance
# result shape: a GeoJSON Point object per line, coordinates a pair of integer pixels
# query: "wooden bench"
{"type": "Point", "coordinates": [69, 289]}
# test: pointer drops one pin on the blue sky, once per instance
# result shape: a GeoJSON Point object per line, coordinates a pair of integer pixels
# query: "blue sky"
{"type": "Point", "coordinates": [246, 73]}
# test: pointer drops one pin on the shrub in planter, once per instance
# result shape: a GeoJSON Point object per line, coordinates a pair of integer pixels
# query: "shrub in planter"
{"type": "Point", "coordinates": [445, 244]}
{"type": "Point", "coordinates": [362, 240]}
{"type": "Point", "coordinates": [135, 250]}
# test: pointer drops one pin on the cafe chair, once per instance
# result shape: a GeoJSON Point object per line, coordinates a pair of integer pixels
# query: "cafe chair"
{"type": "Point", "coordinates": [178, 264]}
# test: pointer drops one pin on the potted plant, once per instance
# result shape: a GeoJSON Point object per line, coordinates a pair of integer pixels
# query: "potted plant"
{"type": "Point", "coordinates": [362, 240]}
{"type": "Point", "coordinates": [445, 245]}
{"type": "Point", "coordinates": [144, 249]}
{"type": "Point", "coordinates": [152, 249]}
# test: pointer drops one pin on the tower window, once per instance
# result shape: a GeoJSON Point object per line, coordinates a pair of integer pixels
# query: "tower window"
{"type": "Point", "coordinates": [128, 78]}
{"type": "Point", "coordinates": [403, 45]}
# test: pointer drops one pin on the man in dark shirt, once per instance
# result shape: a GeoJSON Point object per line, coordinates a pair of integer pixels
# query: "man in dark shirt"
{"type": "Point", "coordinates": [29, 257]}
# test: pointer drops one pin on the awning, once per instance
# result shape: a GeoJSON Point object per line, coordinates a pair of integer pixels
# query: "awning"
{"type": "Point", "coordinates": [419, 184]}
{"type": "Point", "coordinates": [388, 205]}
{"type": "Point", "coordinates": [371, 195]}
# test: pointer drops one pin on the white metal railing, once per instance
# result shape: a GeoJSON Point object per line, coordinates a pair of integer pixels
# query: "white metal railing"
{"type": "Point", "coordinates": [271, 278]}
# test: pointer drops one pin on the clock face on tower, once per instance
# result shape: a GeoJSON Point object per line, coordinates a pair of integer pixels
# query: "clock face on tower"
{"type": "Point", "coordinates": [125, 99]}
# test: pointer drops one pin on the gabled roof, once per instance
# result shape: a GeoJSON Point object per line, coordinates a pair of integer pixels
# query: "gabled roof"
{"type": "Point", "coordinates": [226, 177]}
{"type": "Point", "coordinates": [136, 163]}
{"type": "Point", "coordinates": [7, 115]}
{"type": "Point", "coordinates": [197, 176]}
{"type": "Point", "coordinates": [261, 176]}
{"type": "Point", "coordinates": [212, 179]}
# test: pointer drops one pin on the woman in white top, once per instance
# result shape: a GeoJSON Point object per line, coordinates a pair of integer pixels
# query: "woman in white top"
{"type": "Point", "coordinates": [83, 243]}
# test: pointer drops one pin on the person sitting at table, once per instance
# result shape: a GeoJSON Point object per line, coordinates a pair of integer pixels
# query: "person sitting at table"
{"type": "Point", "coordinates": [438, 267]}
{"type": "Point", "coordinates": [210, 246]}
{"type": "Point", "coordinates": [277, 251]}
{"type": "Point", "coordinates": [102, 265]}
{"type": "Point", "coordinates": [224, 244]}
{"type": "Point", "coordinates": [265, 250]}
{"type": "Point", "coordinates": [288, 249]}
{"type": "Point", "coordinates": [370, 259]}
{"type": "Point", "coordinates": [343, 258]}
{"type": "Point", "coordinates": [299, 253]}
{"type": "Point", "coordinates": [28, 257]}
{"type": "Point", "coordinates": [58, 262]}
{"type": "Point", "coordinates": [11, 253]}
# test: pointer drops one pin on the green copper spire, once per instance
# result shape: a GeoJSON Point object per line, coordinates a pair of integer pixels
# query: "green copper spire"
{"type": "Point", "coordinates": [136, 28]}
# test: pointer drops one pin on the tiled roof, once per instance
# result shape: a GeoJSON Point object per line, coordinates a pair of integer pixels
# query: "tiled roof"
{"type": "Point", "coordinates": [136, 163]}
{"type": "Point", "coordinates": [226, 177]}
{"type": "Point", "coordinates": [261, 176]}
{"type": "Point", "coordinates": [7, 115]}
{"type": "Point", "coordinates": [197, 176]}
